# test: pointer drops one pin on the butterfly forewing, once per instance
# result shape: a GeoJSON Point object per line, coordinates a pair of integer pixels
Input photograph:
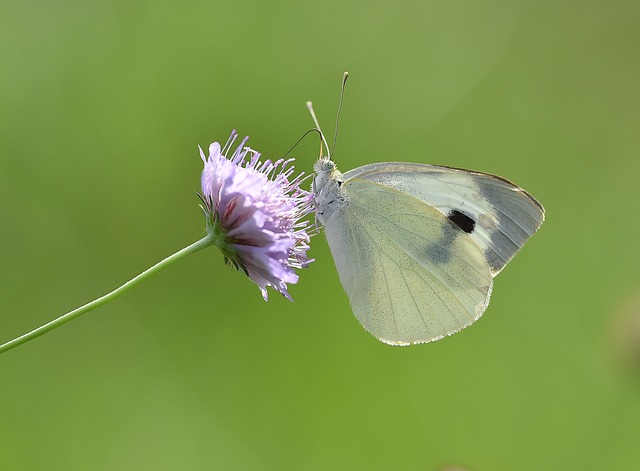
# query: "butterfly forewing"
{"type": "Point", "coordinates": [498, 215]}
{"type": "Point", "coordinates": [411, 274]}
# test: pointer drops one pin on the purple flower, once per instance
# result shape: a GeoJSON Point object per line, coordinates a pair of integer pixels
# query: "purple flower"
{"type": "Point", "coordinates": [255, 214]}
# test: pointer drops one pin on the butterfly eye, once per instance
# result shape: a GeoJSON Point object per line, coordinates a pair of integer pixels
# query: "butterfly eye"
{"type": "Point", "coordinates": [327, 165]}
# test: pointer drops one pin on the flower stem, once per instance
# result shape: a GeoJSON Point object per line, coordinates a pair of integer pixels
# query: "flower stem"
{"type": "Point", "coordinates": [191, 249]}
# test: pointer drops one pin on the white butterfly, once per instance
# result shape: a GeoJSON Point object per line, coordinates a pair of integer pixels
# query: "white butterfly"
{"type": "Point", "coordinates": [417, 246]}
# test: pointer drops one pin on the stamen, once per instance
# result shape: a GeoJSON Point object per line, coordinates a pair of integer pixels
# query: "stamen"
{"type": "Point", "coordinates": [230, 142]}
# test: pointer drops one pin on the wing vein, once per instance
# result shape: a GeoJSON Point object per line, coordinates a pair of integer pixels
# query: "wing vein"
{"type": "Point", "coordinates": [420, 236]}
{"type": "Point", "coordinates": [436, 278]}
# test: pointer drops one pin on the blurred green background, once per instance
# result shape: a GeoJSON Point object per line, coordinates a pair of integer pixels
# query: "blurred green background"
{"type": "Point", "coordinates": [102, 105]}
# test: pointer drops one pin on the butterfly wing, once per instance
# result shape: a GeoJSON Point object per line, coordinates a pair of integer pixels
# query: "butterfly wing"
{"type": "Point", "coordinates": [498, 215]}
{"type": "Point", "coordinates": [411, 275]}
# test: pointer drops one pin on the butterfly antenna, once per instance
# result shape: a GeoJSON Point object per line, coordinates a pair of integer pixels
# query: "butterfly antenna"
{"type": "Point", "coordinates": [345, 76]}
{"type": "Point", "coordinates": [300, 140]}
{"type": "Point", "coordinates": [315, 120]}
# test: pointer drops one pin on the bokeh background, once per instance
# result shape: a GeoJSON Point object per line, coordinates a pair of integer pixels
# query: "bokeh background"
{"type": "Point", "coordinates": [102, 105]}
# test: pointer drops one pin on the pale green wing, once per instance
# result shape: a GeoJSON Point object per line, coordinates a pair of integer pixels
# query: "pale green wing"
{"type": "Point", "coordinates": [499, 216]}
{"type": "Point", "coordinates": [411, 275]}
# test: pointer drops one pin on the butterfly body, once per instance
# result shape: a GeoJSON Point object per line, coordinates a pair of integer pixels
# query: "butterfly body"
{"type": "Point", "coordinates": [417, 246]}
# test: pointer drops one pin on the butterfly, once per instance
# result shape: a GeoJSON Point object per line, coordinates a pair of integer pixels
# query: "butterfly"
{"type": "Point", "coordinates": [417, 246]}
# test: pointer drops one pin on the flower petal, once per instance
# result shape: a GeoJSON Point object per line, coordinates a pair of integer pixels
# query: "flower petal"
{"type": "Point", "coordinates": [258, 211]}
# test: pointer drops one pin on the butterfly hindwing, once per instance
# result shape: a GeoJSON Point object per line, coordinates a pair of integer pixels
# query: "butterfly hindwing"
{"type": "Point", "coordinates": [498, 215]}
{"type": "Point", "coordinates": [411, 274]}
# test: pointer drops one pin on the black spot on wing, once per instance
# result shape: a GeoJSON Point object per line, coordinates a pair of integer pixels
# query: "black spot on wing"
{"type": "Point", "coordinates": [461, 220]}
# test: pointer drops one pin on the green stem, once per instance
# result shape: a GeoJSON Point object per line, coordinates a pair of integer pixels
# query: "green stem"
{"type": "Point", "coordinates": [191, 249]}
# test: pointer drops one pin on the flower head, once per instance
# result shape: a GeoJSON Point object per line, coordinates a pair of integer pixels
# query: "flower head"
{"type": "Point", "coordinates": [256, 211]}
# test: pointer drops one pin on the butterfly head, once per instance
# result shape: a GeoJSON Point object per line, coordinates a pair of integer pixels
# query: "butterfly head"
{"type": "Point", "coordinates": [324, 165]}
{"type": "Point", "coordinates": [326, 172]}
